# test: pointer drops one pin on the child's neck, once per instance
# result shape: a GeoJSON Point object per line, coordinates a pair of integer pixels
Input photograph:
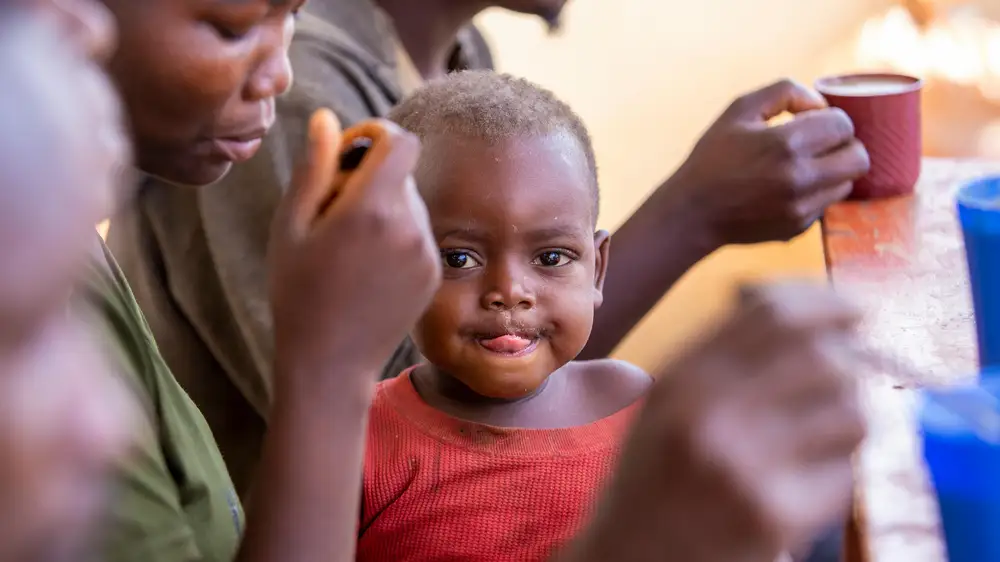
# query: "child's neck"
{"type": "Point", "coordinates": [428, 29]}
{"type": "Point", "coordinates": [447, 394]}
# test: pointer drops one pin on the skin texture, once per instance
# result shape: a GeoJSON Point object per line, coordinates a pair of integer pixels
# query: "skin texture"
{"type": "Point", "coordinates": [63, 420]}
{"type": "Point", "coordinates": [199, 78]}
{"type": "Point", "coordinates": [515, 226]}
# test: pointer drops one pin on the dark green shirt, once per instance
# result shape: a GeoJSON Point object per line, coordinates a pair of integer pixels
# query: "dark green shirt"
{"type": "Point", "coordinates": [175, 501]}
{"type": "Point", "coordinates": [195, 257]}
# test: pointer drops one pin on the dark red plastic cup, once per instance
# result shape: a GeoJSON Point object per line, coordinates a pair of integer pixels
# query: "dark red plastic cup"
{"type": "Point", "coordinates": [885, 109]}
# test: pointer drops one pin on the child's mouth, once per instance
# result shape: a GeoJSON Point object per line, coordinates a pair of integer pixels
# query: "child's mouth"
{"type": "Point", "coordinates": [510, 345]}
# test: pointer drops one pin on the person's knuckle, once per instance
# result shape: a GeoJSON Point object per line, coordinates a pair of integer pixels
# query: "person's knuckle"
{"type": "Point", "coordinates": [786, 87]}
{"type": "Point", "coordinates": [802, 212]}
{"type": "Point", "coordinates": [783, 142]}
{"type": "Point", "coordinates": [841, 123]}
{"type": "Point", "coordinates": [785, 182]}
{"type": "Point", "coordinates": [786, 84]}
{"type": "Point", "coordinates": [801, 174]}
{"type": "Point", "coordinates": [861, 157]}
{"type": "Point", "coordinates": [802, 218]}
{"type": "Point", "coordinates": [842, 190]}
{"type": "Point", "coordinates": [740, 104]}
{"type": "Point", "coordinates": [375, 220]}
{"type": "Point", "coordinates": [764, 307]}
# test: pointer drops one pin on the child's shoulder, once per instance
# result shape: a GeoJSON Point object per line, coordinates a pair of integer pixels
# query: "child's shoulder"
{"type": "Point", "coordinates": [614, 372]}
{"type": "Point", "coordinates": [611, 382]}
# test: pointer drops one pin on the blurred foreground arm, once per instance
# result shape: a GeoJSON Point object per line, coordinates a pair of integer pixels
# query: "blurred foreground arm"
{"type": "Point", "coordinates": [734, 436]}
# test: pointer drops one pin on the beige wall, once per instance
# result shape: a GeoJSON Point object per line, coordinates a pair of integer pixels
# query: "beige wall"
{"type": "Point", "coordinates": [648, 76]}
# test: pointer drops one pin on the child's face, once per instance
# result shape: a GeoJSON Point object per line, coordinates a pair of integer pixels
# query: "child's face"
{"type": "Point", "coordinates": [62, 150]}
{"type": "Point", "coordinates": [523, 268]}
{"type": "Point", "coordinates": [199, 78]}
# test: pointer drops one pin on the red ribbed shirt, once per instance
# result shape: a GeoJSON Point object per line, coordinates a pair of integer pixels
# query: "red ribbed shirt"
{"type": "Point", "coordinates": [439, 488]}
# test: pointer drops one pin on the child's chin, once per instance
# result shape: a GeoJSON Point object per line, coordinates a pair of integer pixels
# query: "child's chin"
{"type": "Point", "coordinates": [506, 385]}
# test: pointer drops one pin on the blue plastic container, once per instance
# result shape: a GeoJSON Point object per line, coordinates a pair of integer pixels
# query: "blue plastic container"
{"type": "Point", "coordinates": [979, 215]}
{"type": "Point", "coordinates": [961, 439]}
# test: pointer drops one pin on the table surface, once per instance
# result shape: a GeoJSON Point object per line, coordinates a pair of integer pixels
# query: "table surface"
{"type": "Point", "coordinates": [903, 260]}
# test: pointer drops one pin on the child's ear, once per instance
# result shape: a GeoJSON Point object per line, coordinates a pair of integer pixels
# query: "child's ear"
{"type": "Point", "coordinates": [602, 245]}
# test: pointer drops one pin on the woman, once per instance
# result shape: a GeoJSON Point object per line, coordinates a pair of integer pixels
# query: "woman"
{"type": "Point", "coordinates": [199, 79]}
{"type": "Point", "coordinates": [63, 419]}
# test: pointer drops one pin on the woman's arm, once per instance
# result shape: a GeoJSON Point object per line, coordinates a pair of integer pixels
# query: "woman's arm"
{"type": "Point", "coordinates": [338, 315]}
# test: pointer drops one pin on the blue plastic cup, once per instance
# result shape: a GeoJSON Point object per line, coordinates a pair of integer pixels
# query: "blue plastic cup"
{"type": "Point", "coordinates": [979, 215]}
{"type": "Point", "coordinates": [961, 439]}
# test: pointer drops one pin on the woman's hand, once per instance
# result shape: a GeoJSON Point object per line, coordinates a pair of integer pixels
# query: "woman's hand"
{"type": "Point", "coordinates": [350, 277]}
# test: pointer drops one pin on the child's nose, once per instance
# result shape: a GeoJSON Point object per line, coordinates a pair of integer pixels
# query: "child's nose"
{"type": "Point", "coordinates": [509, 290]}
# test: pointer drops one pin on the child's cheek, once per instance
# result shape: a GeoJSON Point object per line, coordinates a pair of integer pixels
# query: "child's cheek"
{"type": "Point", "coordinates": [572, 315]}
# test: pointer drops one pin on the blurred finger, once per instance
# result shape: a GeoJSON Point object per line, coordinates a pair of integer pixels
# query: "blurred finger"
{"type": "Point", "coordinates": [831, 432]}
{"type": "Point", "coordinates": [313, 176]}
{"type": "Point", "coordinates": [816, 204]}
{"type": "Point", "coordinates": [843, 164]}
{"type": "Point", "coordinates": [385, 167]}
{"type": "Point", "coordinates": [817, 131]}
{"type": "Point", "coordinates": [829, 487]}
{"type": "Point", "coordinates": [802, 305]}
{"type": "Point", "coordinates": [773, 100]}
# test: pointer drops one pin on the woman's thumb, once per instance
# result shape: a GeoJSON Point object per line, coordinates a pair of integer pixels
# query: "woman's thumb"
{"type": "Point", "coordinates": [313, 177]}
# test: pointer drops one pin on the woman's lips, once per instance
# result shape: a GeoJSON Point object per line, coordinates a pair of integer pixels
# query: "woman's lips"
{"type": "Point", "coordinates": [510, 345]}
{"type": "Point", "coordinates": [237, 150]}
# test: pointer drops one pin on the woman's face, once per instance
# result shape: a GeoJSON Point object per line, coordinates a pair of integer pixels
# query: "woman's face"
{"type": "Point", "coordinates": [62, 150]}
{"type": "Point", "coordinates": [199, 78]}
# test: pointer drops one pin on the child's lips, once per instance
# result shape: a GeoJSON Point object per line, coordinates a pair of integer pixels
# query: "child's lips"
{"type": "Point", "coordinates": [509, 344]}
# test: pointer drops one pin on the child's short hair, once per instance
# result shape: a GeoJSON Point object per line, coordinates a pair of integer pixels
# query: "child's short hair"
{"type": "Point", "coordinates": [492, 107]}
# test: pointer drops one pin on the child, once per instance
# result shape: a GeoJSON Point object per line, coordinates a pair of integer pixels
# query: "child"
{"type": "Point", "coordinates": [496, 448]}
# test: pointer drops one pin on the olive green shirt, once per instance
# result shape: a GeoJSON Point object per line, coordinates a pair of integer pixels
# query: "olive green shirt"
{"type": "Point", "coordinates": [174, 500]}
{"type": "Point", "coordinates": [195, 257]}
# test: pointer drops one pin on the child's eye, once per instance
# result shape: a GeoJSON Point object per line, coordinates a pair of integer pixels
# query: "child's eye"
{"type": "Point", "coordinates": [552, 259]}
{"type": "Point", "coordinates": [459, 260]}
